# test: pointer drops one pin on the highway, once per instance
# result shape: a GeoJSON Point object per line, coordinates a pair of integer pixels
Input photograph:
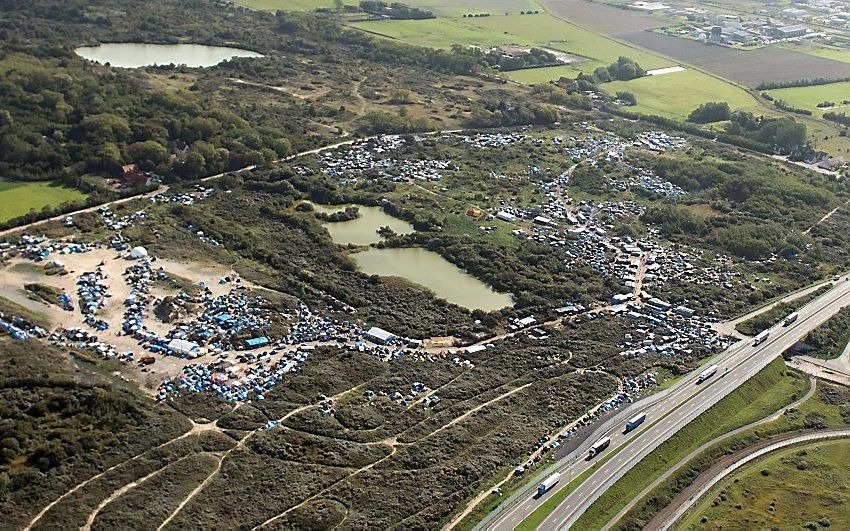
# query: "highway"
{"type": "Point", "coordinates": [667, 412]}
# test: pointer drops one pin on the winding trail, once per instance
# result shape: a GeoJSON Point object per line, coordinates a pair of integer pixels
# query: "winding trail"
{"type": "Point", "coordinates": [121, 491]}
{"type": "Point", "coordinates": [688, 458]}
{"type": "Point", "coordinates": [240, 445]}
{"type": "Point", "coordinates": [97, 476]}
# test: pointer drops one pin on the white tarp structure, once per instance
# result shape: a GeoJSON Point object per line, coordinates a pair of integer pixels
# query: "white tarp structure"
{"type": "Point", "coordinates": [183, 347]}
{"type": "Point", "coordinates": [138, 252]}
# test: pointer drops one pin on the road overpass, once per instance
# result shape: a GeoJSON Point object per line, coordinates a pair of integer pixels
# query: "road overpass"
{"type": "Point", "coordinates": [667, 412]}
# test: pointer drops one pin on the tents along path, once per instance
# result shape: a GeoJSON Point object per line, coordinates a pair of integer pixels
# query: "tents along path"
{"type": "Point", "coordinates": [165, 188]}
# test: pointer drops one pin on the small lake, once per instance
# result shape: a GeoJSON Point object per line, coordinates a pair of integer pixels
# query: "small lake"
{"type": "Point", "coordinates": [364, 229]}
{"type": "Point", "coordinates": [431, 270]}
{"type": "Point", "coordinates": [414, 264]}
{"type": "Point", "coordinates": [136, 55]}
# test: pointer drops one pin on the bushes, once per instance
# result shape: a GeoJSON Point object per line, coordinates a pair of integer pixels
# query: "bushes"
{"type": "Point", "coordinates": [709, 112]}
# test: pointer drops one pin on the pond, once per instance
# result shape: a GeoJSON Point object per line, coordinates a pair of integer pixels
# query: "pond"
{"type": "Point", "coordinates": [434, 272]}
{"type": "Point", "coordinates": [135, 54]}
{"type": "Point", "coordinates": [364, 229]}
{"type": "Point", "coordinates": [414, 264]}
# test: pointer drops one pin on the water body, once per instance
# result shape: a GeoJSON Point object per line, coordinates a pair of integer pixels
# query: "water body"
{"type": "Point", "coordinates": [431, 270]}
{"type": "Point", "coordinates": [136, 55]}
{"type": "Point", "coordinates": [417, 265]}
{"type": "Point", "coordinates": [364, 229]}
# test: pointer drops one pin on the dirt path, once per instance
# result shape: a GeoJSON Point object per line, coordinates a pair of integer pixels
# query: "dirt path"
{"type": "Point", "coordinates": [52, 504]}
{"type": "Point", "coordinates": [687, 459]}
{"type": "Point", "coordinates": [121, 491]}
{"type": "Point", "coordinates": [476, 409]}
{"type": "Point", "coordinates": [826, 217]}
{"type": "Point", "coordinates": [240, 445]}
{"type": "Point", "coordinates": [326, 489]}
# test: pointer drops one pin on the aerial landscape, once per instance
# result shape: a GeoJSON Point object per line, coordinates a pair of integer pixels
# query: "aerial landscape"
{"type": "Point", "coordinates": [477, 265]}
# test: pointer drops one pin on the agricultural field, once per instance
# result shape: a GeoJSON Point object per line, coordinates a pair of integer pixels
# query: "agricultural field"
{"type": "Point", "coordinates": [746, 67]}
{"type": "Point", "coordinates": [18, 198]}
{"type": "Point", "coordinates": [532, 30]}
{"type": "Point", "coordinates": [675, 95]}
{"type": "Point", "coordinates": [290, 5]}
{"type": "Point", "coordinates": [798, 487]}
{"type": "Point", "coordinates": [826, 51]}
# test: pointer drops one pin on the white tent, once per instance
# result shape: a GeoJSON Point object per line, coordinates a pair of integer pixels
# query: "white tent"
{"type": "Point", "coordinates": [138, 252]}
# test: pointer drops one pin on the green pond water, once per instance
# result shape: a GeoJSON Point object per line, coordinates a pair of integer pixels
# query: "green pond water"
{"type": "Point", "coordinates": [414, 264]}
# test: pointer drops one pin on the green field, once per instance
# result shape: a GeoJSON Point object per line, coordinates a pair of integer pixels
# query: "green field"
{"type": "Point", "coordinates": [290, 5]}
{"type": "Point", "coordinates": [676, 95]}
{"type": "Point", "coordinates": [809, 97]}
{"type": "Point", "coordinates": [531, 30]}
{"type": "Point", "coordinates": [825, 51]}
{"type": "Point", "coordinates": [439, 7]}
{"type": "Point", "coordinates": [16, 199]}
{"type": "Point", "coordinates": [788, 489]}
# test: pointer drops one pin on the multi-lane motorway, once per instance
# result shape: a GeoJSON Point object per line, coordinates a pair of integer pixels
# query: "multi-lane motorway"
{"type": "Point", "coordinates": [667, 412]}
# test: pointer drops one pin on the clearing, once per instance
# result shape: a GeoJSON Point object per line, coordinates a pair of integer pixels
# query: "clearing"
{"type": "Point", "coordinates": [18, 198]}
{"type": "Point", "coordinates": [676, 95]}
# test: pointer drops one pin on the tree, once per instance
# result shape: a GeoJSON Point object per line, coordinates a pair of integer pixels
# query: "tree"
{"type": "Point", "coordinates": [712, 111]}
{"type": "Point", "coordinates": [148, 154]}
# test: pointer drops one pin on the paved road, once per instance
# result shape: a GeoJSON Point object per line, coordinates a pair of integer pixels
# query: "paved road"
{"type": "Point", "coordinates": [707, 480]}
{"type": "Point", "coordinates": [666, 414]}
{"type": "Point", "coordinates": [688, 458]}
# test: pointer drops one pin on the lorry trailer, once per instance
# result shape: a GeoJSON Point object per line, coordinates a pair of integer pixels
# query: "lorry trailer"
{"type": "Point", "coordinates": [547, 483]}
{"type": "Point", "coordinates": [761, 338]}
{"type": "Point", "coordinates": [635, 422]}
{"type": "Point", "coordinates": [706, 374]}
{"type": "Point", "coordinates": [790, 319]}
{"type": "Point", "coordinates": [600, 445]}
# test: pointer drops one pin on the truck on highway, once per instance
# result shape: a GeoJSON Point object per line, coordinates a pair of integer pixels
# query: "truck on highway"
{"type": "Point", "coordinates": [634, 422]}
{"type": "Point", "coordinates": [547, 483]}
{"type": "Point", "coordinates": [600, 445]}
{"type": "Point", "coordinates": [706, 374]}
{"type": "Point", "coordinates": [790, 319]}
{"type": "Point", "coordinates": [761, 338]}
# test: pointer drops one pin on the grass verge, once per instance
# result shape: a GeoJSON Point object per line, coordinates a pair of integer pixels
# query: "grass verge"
{"type": "Point", "coordinates": [762, 395]}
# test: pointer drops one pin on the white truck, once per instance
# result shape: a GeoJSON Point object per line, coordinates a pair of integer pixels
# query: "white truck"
{"type": "Point", "coordinates": [706, 374]}
{"type": "Point", "coordinates": [548, 483]}
{"type": "Point", "coordinates": [600, 445]}
{"type": "Point", "coordinates": [761, 338]}
{"type": "Point", "coordinates": [791, 318]}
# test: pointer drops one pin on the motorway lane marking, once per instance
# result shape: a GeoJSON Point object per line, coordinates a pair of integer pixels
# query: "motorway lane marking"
{"type": "Point", "coordinates": [718, 391]}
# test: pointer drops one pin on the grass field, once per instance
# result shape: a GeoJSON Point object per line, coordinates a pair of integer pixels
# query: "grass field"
{"type": "Point", "coordinates": [762, 395]}
{"type": "Point", "coordinates": [289, 5]}
{"type": "Point", "coordinates": [16, 199]}
{"type": "Point", "coordinates": [809, 97]}
{"type": "Point", "coordinates": [825, 51]}
{"type": "Point", "coordinates": [676, 95]}
{"type": "Point", "coordinates": [788, 489]}
{"type": "Point", "coordinates": [531, 30]}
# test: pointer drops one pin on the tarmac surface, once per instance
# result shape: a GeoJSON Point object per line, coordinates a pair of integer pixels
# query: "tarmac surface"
{"type": "Point", "coordinates": [667, 412]}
